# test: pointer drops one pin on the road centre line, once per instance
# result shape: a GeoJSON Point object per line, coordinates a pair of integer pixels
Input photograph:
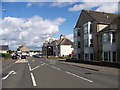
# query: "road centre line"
{"type": "Point", "coordinates": [33, 79]}
{"type": "Point", "coordinates": [32, 76]}
{"type": "Point", "coordinates": [79, 76]}
{"type": "Point", "coordinates": [29, 67]}
{"type": "Point", "coordinates": [56, 68]}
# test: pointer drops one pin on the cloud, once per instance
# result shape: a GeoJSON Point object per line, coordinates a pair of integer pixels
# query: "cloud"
{"type": "Point", "coordinates": [29, 4]}
{"type": "Point", "coordinates": [31, 31]}
{"type": "Point", "coordinates": [100, 6]}
{"type": "Point", "coordinates": [70, 36]}
{"type": "Point", "coordinates": [62, 3]}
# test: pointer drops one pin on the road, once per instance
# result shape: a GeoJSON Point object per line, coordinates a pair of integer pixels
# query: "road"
{"type": "Point", "coordinates": [43, 73]}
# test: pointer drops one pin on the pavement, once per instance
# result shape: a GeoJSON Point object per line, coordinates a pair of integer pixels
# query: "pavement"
{"type": "Point", "coordinates": [42, 73]}
{"type": "Point", "coordinates": [101, 69]}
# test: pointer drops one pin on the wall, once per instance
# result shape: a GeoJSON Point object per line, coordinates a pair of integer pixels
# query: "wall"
{"type": "Point", "coordinates": [65, 50]}
{"type": "Point", "coordinates": [100, 27]}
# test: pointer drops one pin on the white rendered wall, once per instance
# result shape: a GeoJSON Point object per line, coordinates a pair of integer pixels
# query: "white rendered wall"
{"type": "Point", "coordinates": [65, 50]}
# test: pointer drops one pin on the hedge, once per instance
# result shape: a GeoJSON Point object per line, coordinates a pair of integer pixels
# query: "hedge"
{"type": "Point", "coordinates": [5, 55]}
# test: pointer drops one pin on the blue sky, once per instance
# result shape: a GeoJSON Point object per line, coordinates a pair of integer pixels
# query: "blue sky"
{"type": "Point", "coordinates": [20, 10]}
{"type": "Point", "coordinates": [34, 22]}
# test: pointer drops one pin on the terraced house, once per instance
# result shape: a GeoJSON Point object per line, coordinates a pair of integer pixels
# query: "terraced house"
{"type": "Point", "coordinates": [97, 37]}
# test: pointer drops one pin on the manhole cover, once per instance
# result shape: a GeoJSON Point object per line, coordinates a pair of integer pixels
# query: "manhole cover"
{"type": "Point", "coordinates": [88, 73]}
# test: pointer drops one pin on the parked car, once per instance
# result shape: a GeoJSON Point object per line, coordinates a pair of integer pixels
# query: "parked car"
{"type": "Point", "coordinates": [37, 55]}
{"type": "Point", "coordinates": [14, 57]}
{"type": "Point", "coordinates": [23, 57]}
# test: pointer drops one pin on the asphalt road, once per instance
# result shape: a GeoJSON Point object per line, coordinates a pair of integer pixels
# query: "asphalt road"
{"type": "Point", "coordinates": [42, 73]}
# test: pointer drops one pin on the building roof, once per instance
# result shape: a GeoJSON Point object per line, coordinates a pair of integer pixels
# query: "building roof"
{"type": "Point", "coordinates": [101, 17]}
{"type": "Point", "coordinates": [24, 49]}
{"type": "Point", "coordinates": [66, 41]}
{"type": "Point", "coordinates": [4, 47]}
{"type": "Point", "coordinates": [111, 27]}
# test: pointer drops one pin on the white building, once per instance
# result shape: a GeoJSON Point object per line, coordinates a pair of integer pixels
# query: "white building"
{"type": "Point", "coordinates": [4, 48]}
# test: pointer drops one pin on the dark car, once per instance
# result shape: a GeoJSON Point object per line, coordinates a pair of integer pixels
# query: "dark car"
{"type": "Point", "coordinates": [14, 57]}
{"type": "Point", "coordinates": [23, 57]}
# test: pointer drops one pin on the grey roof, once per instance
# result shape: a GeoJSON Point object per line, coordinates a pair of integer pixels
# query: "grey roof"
{"type": "Point", "coordinates": [4, 47]}
{"type": "Point", "coordinates": [112, 27]}
{"type": "Point", "coordinates": [101, 17]}
{"type": "Point", "coordinates": [66, 41]}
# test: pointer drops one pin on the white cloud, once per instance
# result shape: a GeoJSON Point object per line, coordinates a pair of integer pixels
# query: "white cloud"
{"type": "Point", "coordinates": [59, 0]}
{"type": "Point", "coordinates": [29, 4]}
{"type": "Point", "coordinates": [61, 4]}
{"type": "Point", "coordinates": [111, 7]}
{"type": "Point", "coordinates": [32, 31]}
{"type": "Point", "coordinates": [70, 36]}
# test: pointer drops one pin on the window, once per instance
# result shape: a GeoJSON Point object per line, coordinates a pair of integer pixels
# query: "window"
{"type": "Point", "coordinates": [106, 37]}
{"type": "Point", "coordinates": [91, 56]}
{"type": "Point", "coordinates": [86, 56]}
{"type": "Point", "coordinates": [86, 28]}
{"type": "Point", "coordinates": [91, 28]}
{"type": "Point", "coordinates": [91, 41]}
{"type": "Point", "coordinates": [78, 33]}
{"type": "Point", "coordinates": [79, 56]}
{"type": "Point", "coordinates": [105, 56]}
{"type": "Point", "coordinates": [114, 56]}
{"type": "Point", "coordinates": [78, 44]}
{"type": "Point", "coordinates": [86, 42]}
{"type": "Point", "coordinates": [113, 37]}
{"type": "Point", "coordinates": [91, 45]}
{"type": "Point", "coordinates": [75, 33]}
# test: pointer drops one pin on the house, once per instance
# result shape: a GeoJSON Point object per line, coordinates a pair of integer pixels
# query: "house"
{"type": "Point", "coordinates": [88, 45]}
{"type": "Point", "coordinates": [58, 48]}
{"type": "Point", "coordinates": [44, 48]}
{"type": "Point", "coordinates": [4, 48]}
{"type": "Point", "coordinates": [24, 50]}
{"type": "Point", "coordinates": [65, 47]}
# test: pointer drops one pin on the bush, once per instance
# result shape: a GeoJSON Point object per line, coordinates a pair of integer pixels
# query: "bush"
{"type": "Point", "coordinates": [5, 55]}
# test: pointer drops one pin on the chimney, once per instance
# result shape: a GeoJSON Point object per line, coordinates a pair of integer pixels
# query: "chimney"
{"type": "Point", "coordinates": [62, 37]}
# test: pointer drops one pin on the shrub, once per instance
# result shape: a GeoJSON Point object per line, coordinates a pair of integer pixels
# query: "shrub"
{"type": "Point", "coordinates": [5, 55]}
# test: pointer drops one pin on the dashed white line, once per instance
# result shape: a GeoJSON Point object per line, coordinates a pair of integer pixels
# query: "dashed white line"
{"type": "Point", "coordinates": [43, 64]}
{"type": "Point", "coordinates": [79, 76]}
{"type": "Point", "coordinates": [33, 79]}
{"type": "Point", "coordinates": [56, 68]}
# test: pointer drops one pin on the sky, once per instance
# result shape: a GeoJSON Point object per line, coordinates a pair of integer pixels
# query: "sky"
{"type": "Point", "coordinates": [31, 23]}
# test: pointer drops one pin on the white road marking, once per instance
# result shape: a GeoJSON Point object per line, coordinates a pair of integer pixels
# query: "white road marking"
{"type": "Point", "coordinates": [43, 64]}
{"type": "Point", "coordinates": [33, 60]}
{"type": "Point", "coordinates": [35, 68]}
{"type": "Point", "coordinates": [56, 68]}
{"type": "Point", "coordinates": [11, 72]}
{"type": "Point", "coordinates": [29, 67]}
{"type": "Point", "coordinates": [79, 76]}
{"type": "Point", "coordinates": [21, 61]}
{"type": "Point", "coordinates": [33, 79]}
{"type": "Point", "coordinates": [46, 64]}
